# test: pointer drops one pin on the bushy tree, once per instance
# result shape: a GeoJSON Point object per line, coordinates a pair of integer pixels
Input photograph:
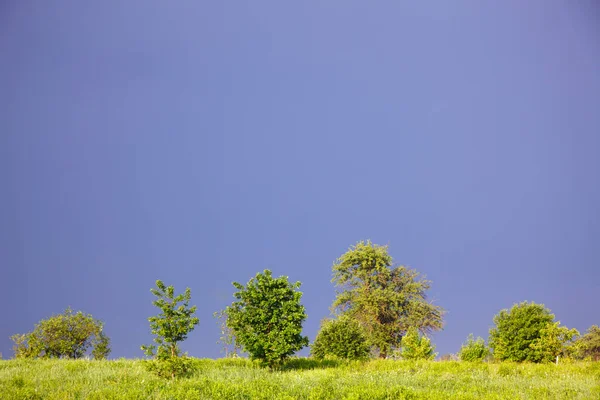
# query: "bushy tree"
{"type": "Point", "coordinates": [473, 349]}
{"type": "Point", "coordinates": [267, 318]}
{"type": "Point", "coordinates": [340, 338]}
{"type": "Point", "coordinates": [553, 342]}
{"type": "Point", "coordinates": [66, 335]}
{"type": "Point", "coordinates": [527, 332]}
{"type": "Point", "coordinates": [416, 346]}
{"type": "Point", "coordinates": [385, 300]}
{"type": "Point", "coordinates": [171, 327]}
{"type": "Point", "coordinates": [588, 345]}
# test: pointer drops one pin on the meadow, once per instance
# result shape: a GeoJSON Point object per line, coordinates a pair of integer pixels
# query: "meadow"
{"type": "Point", "coordinates": [299, 379]}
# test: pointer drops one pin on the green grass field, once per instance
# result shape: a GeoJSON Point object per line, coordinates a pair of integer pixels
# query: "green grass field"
{"type": "Point", "coordinates": [299, 379]}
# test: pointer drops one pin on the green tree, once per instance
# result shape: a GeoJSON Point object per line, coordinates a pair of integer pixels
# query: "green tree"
{"type": "Point", "coordinates": [553, 342]}
{"type": "Point", "coordinates": [385, 300]}
{"type": "Point", "coordinates": [527, 332]}
{"type": "Point", "coordinates": [416, 346]}
{"type": "Point", "coordinates": [588, 345]}
{"type": "Point", "coordinates": [340, 338]}
{"type": "Point", "coordinates": [171, 327]}
{"type": "Point", "coordinates": [267, 318]}
{"type": "Point", "coordinates": [66, 335]}
{"type": "Point", "coordinates": [473, 349]}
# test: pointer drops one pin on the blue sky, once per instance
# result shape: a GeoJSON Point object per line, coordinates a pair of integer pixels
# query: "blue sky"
{"type": "Point", "coordinates": [202, 142]}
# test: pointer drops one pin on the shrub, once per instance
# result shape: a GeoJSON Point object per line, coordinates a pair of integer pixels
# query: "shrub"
{"type": "Point", "coordinates": [527, 332]}
{"type": "Point", "coordinates": [554, 341]}
{"type": "Point", "coordinates": [473, 349]}
{"type": "Point", "coordinates": [341, 338]}
{"type": "Point", "coordinates": [267, 318]}
{"type": "Point", "coordinates": [66, 335]}
{"type": "Point", "coordinates": [417, 347]}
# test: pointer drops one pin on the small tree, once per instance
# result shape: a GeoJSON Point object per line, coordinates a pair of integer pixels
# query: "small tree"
{"type": "Point", "coordinates": [473, 349]}
{"type": "Point", "coordinates": [267, 318]}
{"type": "Point", "coordinates": [553, 342]}
{"type": "Point", "coordinates": [588, 345]}
{"type": "Point", "coordinates": [417, 347]}
{"type": "Point", "coordinates": [340, 338]}
{"type": "Point", "coordinates": [171, 327]}
{"type": "Point", "coordinates": [227, 339]}
{"type": "Point", "coordinates": [66, 335]}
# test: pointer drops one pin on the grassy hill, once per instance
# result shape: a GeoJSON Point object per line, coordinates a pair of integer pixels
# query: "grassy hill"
{"type": "Point", "coordinates": [299, 379]}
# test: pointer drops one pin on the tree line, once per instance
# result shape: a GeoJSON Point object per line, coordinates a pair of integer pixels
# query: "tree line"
{"type": "Point", "coordinates": [380, 310]}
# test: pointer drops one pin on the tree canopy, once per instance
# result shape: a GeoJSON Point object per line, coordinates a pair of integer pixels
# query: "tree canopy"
{"type": "Point", "coordinates": [386, 300]}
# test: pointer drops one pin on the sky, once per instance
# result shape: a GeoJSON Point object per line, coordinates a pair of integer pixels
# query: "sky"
{"type": "Point", "coordinates": [202, 142]}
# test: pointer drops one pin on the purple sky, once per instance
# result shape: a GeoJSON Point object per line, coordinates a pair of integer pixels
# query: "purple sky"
{"type": "Point", "coordinates": [202, 142]}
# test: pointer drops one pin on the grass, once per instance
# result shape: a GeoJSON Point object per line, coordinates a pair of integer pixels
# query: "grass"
{"type": "Point", "coordinates": [299, 379]}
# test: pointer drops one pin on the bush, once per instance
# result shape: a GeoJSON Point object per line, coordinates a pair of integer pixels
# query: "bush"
{"type": "Point", "coordinates": [473, 349]}
{"type": "Point", "coordinates": [170, 367]}
{"type": "Point", "coordinates": [417, 347]}
{"type": "Point", "coordinates": [527, 332]}
{"type": "Point", "coordinates": [341, 338]}
{"type": "Point", "coordinates": [267, 317]}
{"type": "Point", "coordinates": [66, 335]}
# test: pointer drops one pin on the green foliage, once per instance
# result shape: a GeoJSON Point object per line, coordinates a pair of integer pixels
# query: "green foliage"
{"type": "Point", "coordinates": [102, 347]}
{"type": "Point", "coordinates": [588, 345]}
{"type": "Point", "coordinates": [416, 346]}
{"type": "Point", "coordinates": [171, 326]}
{"type": "Point", "coordinates": [385, 300]}
{"type": "Point", "coordinates": [527, 332]}
{"type": "Point", "coordinates": [67, 335]}
{"type": "Point", "coordinates": [267, 318]}
{"type": "Point", "coordinates": [473, 349]}
{"type": "Point", "coordinates": [340, 338]}
{"type": "Point", "coordinates": [553, 342]}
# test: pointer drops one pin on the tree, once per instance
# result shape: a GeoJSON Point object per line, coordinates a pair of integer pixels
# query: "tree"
{"type": "Point", "coordinates": [385, 300]}
{"type": "Point", "coordinates": [102, 347]}
{"type": "Point", "coordinates": [171, 327]}
{"type": "Point", "coordinates": [227, 339]}
{"type": "Point", "coordinates": [527, 332]}
{"type": "Point", "coordinates": [267, 318]}
{"type": "Point", "coordinates": [340, 338]}
{"type": "Point", "coordinates": [66, 335]}
{"type": "Point", "coordinates": [588, 345]}
{"type": "Point", "coordinates": [553, 342]}
{"type": "Point", "coordinates": [416, 346]}
{"type": "Point", "coordinates": [473, 349]}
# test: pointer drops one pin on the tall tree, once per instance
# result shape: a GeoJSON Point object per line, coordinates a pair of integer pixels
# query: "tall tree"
{"type": "Point", "coordinates": [267, 318]}
{"type": "Point", "coordinates": [386, 300]}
